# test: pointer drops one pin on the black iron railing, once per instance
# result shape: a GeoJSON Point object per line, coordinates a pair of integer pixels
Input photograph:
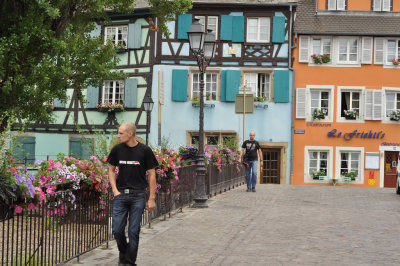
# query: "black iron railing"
{"type": "Point", "coordinates": [75, 222]}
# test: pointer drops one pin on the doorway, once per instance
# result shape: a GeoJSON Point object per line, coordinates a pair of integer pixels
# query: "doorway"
{"type": "Point", "coordinates": [271, 173]}
{"type": "Point", "coordinates": [390, 169]}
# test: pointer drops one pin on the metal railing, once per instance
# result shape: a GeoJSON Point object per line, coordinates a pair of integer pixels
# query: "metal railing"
{"type": "Point", "coordinates": [75, 222]}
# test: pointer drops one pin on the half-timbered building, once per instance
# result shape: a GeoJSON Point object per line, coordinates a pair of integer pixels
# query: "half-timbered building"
{"type": "Point", "coordinates": [254, 53]}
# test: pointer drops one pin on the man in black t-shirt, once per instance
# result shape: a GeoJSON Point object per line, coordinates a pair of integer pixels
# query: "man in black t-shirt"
{"type": "Point", "coordinates": [129, 188]}
{"type": "Point", "coordinates": [252, 149]}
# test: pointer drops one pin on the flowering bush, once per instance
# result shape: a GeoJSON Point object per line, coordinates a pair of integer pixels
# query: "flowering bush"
{"type": "Point", "coordinates": [321, 59]}
{"type": "Point", "coordinates": [110, 107]}
{"type": "Point", "coordinates": [351, 114]}
{"type": "Point", "coordinates": [395, 62]}
{"type": "Point", "coordinates": [395, 115]}
{"type": "Point", "coordinates": [167, 170]}
{"type": "Point", "coordinates": [319, 113]}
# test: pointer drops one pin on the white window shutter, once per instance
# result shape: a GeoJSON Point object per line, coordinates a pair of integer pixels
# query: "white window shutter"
{"type": "Point", "coordinates": [377, 106]}
{"type": "Point", "coordinates": [341, 4]}
{"type": "Point", "coordinates": [301, 102]}
{"type": "Point", "coordinates": [377, 5]}
{"type": "Point", "coordinates": [386, 5]}
{"type": "Point", "coordinates": [379, 49]}
{"type": "Point", "coordinates": [304, 43]}
{"type": "Point", "coordinates": [366, 50]}
{"type": "Point", "coordinates": [331, 4]}
{"type": "Point", "coordinates": [368, 104]}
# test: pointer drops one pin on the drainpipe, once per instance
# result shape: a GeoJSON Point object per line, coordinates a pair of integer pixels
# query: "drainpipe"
{"type": "Point", "coordinates": [290, 37]}
{"type": "Point", "coordinates": [292, 113]}
{"type": "Point", "coordinates": [316, 8]}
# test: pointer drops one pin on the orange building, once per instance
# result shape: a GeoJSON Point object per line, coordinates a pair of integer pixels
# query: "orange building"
{"type": "Point", "coordinates": [347, 92]}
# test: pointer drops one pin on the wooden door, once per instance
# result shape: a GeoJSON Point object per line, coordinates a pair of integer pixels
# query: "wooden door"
{"type": "Point", "coordinates": [272, 165]}
{"type": "Point", "coordinates": [390, 168]}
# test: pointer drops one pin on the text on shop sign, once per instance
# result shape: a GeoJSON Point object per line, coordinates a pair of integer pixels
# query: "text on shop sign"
{"type": "Point", "coordinates": [356, 134]}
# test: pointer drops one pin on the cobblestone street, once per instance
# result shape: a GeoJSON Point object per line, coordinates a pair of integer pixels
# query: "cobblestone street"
{"type": "Point", "coordinates": [277, 225]}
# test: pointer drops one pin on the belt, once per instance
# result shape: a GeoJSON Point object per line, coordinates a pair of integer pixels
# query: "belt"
{"type": "Point", "coordinates": [131, 191]}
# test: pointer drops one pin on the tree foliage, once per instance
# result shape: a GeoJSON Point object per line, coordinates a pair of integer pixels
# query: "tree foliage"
{"type": "Point", "coordinates": [46, 48]}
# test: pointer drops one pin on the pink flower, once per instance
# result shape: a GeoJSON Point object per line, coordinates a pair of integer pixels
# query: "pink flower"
{"type": "Point", "coordinates": [57, 165]}
{"type": "Point", "coordinates": [105, 160]}
{"type": "Point", "coordinates": [18, 209]}
{"type": "Point", "coordinates": [62, 179]}
{"type": "Point", "coordinates": [31, 206]}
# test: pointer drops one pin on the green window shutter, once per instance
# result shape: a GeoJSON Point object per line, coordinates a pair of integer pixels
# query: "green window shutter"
{"type": "Point", "coordinates": [184, 22]}
{"type": "Point", "coordinates": [237, 28]}
{"type": "Point", "coordinates": [281, 86]}
{"type": "Point", "coordinates": [87, 148]}
{"type": "Point", "coordinates": [226, 27]}
{"type": "Point", "coordinates": [58, 104]}
{"type": "Point", "coordinates": [134, 36]}
{"type": "Point", "coordinates": [25, 152]}
{"type": "Point", "coordinates": [179, 85]}
{"type": "Point", "coordinates": [233, 81]}
{"type": "Point", "coordinates": [223, 85]}
{"type": "Point", "coordinates": [96, 31]}
{"type": "Point", "coordinates": [75, 147]}
{"type": "Point", "coordinates": [92, 97]}
{"type": "Point", "coordinates": [278, 29]}
{"type": "Point", "coordinates": [131, 91]}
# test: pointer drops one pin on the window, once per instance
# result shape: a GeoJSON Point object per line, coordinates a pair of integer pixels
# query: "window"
{"type": "Point", "coordinates": [210, 86]}
{"type": "Point", "coordinates": [113, 91]}
{"type": "Point", "coordinates": [392, 102]}
{"type": "Point", "coordinates": [212, 23]}
{"type": "Point", "coordinates": [381, 5]}
{"type": "Point", "coordinates": [258, 29]}
{"type": "Point", "coordinates": [318, 164]}
{"type": "Point", "coordinates": [258, 84]}
{"type": "Point", "coordinates": [348, 51]}
{"type": "Point", "coordinates": [321, 46]}
{"type": "Point", "coordinates": [350, 102]}
{"type": "Point", "coordinates": [320, 101]}
{"type": "Point", "coordinates": [117, 35]}
{"type": "Point", "coordinates": [212, 140]}
{"type": "Point", "coordinates": [336, 4]}
{"type": "Point", "coordinates": [81, 148]}
{"type": "Point", "coordinates": [349, 162]}
{"type": "Point", "coordinates": [25, 150]}
{"type": "Point", "coordinates": [215, 138]}
{"type": "Point", "coordinates": [393, 51]}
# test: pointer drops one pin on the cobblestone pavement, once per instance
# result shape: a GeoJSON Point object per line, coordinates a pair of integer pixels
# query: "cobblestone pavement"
{"type": "Point", "coordinates": [277, 225]}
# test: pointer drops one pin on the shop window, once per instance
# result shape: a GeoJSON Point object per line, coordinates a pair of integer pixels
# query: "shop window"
{"type": "Point", "coordinates": [350, 165]}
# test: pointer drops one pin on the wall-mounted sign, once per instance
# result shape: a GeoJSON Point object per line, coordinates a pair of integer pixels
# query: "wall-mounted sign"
{"type": "Point", "coordinates": [318, 124]}
{"type": "Point", "coordinates": [372, 161]}
{"type": "Point", "coordinates": [299, 131]}
{"type": "Point", "coordinates": [390, 144]}
{"type": "Point", "coordinates": [356, 134]}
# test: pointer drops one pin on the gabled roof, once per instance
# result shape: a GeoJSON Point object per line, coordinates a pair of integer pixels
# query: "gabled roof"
{"type": "Point", "coordinates": [324, 22]}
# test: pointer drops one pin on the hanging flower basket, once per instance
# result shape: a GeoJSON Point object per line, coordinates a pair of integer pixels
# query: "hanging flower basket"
{"type": "Point", "coordinates": [110, 107]}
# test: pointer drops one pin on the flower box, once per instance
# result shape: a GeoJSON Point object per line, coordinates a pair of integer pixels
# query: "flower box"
{"type": "Point", "coordinates": [319, 114]}
{"type": "Point", "coordinates": [395, 62]}
{"type": "Point", "coordinates": [321, 59]}
{"type": "Point", "coordinates": [395, 116]}
{"type": "Point", "coordinates": [110, 107]}
{"type": "Point", "coordinates": [351, 114]}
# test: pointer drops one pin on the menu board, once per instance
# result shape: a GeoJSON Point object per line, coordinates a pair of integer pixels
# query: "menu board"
{"type": "Point", "coordinates": [372, 160]}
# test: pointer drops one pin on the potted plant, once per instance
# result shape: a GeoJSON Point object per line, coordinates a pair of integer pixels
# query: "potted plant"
{"type": "Point", "coordinates": [321, 59]}
{"type": "Point", "coordinates": [350, 175]}
{"type": "Point", "coordinates": [395, 62]}
{"type": "Point", "coordinates": [319, 113]}
{"type": "Point", "coordinates": [110, 107]}
{"type": "Point", "coordinates": [395, 116]}
{"type": "Point", "coordinates": [260, 98]}
{"type": "Point", "coordinates": [316, 175]}
{"type": "Point", "coordinates": [196, 101]}
{"type": "Point", "coordinates": [351, 114]}
{"type": "Point", "coordinates": [120, 47]}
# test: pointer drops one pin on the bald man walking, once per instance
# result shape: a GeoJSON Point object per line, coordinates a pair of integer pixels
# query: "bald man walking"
{"type": "Point", "coordinates": [133, 159]}
{"type": "Point", "coordinates": [252, 149]}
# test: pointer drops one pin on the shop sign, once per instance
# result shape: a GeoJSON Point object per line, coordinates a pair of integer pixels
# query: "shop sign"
{"type": "Point", "coordinates": [390, 144]}
{"type": "Point", "coordinates": [356, 134]}
{"type": "Point", "coordinates": [318, 124]}
{"type": "Point", "coordinates": [299, 131]}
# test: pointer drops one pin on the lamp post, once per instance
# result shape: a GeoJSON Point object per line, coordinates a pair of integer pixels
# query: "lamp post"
{"type": "Point", "coordinates": [202, 45]}
{"type": "Point", "coordinates": [148, 106]}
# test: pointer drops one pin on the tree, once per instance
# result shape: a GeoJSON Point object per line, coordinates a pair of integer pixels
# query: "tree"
{"type": "Point", "coordinates": [46, 48]}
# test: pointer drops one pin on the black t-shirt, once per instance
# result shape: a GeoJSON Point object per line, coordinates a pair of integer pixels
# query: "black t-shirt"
{"type": "Point", "coordinates": [251, 148]}
{"type": "Point", "coordinates": [133, 162]}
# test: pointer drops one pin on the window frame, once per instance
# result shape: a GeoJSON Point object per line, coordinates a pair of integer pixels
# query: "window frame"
{"type": "Point", "coordinates": [208, 22]}
{"type": "Point", "coordinates": [122, 95]}
{"type": "Point", "coordinates": [217, 82]}
{"type": "Point", "coordinates": [341, 89]}
{"type": "Point", "coordinates": [258, 40]}
{"type": "Point", "coordinates": [307, 177]}
{"type": "Point", "coordinates": [81, 137]}
{"type": "Point", "coordinates": [380, 9]}
{"type": "Point", "coordinates": [339, 150]}
{"type": "Point", "coordinates": [387, 90]}
{"type": "Point", "coordinates": [336, 5]}
{"type": "Point", "coordinates": [220, 133]}
{"type": "Point", "coordinates": [386, 50]}
{"type": "Point", "coordinates": [116, 41]}
{"type": "Point", "coordinates": [347, 61]}
{"type": "Point", "coordinates": [255, 92]}
{"type": "Point", "coordinates": [330, 89]}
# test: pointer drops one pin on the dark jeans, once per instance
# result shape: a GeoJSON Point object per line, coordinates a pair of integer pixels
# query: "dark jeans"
{"type": "Point", "coordinates": [134, 204]}
{"type": "Point", "coordinates": [251, 174]}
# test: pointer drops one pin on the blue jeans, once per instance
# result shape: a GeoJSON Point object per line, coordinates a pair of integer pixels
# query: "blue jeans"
{"type": "Point", "coordinates": [251, 174]}
{"type": "Point", "coordinates": [134, 204]}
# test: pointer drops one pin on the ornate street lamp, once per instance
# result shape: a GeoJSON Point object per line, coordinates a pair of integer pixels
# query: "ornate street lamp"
{"type": "Point", "coordinates": [148, 106]}
{"type": "Point", "coordinates": [202, 45]}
